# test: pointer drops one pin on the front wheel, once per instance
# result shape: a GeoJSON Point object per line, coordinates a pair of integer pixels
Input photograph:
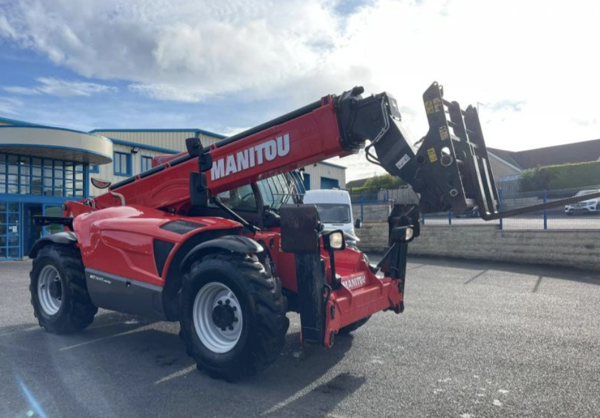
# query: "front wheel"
{"type": "Point", "coordinates": [59, 295]}
{"type": "Point", "coordinates": [233, 320]}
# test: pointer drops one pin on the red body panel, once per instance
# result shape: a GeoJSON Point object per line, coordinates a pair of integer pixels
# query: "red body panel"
{"type": "Point", "coordinates": [362, 293]}
{"type": "Point", "coordinates": [120, 240]}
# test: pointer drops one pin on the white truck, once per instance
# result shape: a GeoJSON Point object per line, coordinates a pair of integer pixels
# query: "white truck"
{"type": "Point", "coordinates": [335, 212]}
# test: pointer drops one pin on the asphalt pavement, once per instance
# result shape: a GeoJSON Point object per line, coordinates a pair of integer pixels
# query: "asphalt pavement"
{"type": "Point", "coordinates": [476, 340]}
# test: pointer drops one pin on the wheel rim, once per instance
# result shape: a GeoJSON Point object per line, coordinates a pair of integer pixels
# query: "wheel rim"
{"type": "Point", "coordinates": [49, 289]}
{"type": "Point", "coordinates": [218, 318]}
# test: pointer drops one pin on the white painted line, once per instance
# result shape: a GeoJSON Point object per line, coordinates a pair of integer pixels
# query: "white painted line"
{"type": "Point", "coordinates": [23, 330]}
{"type": "Point", "coordinates": [105, 338]}
{"type": "Point", "coordinates": [178, 373]}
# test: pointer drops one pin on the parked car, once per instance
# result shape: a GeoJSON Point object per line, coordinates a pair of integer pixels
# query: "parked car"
{"type": "Point", "coordinates": [335, 212]}
{"type": "Point", "coordinates": [586, 206]}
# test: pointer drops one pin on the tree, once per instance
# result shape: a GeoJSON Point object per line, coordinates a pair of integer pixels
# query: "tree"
{"type": "Point", "coordinates": [385, 181]}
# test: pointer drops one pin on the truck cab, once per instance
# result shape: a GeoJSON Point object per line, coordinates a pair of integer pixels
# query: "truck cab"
{"type": "Point", "coordinates": [335, 211]}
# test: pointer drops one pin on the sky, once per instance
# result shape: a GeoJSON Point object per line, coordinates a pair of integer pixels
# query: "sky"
{"type": "Point", "coordinates": [224, 66]}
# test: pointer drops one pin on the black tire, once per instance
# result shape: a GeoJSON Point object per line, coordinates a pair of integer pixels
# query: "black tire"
{"type": "Point", "coordinates": [76, 310]}
{"type": "Point", "coordinates": [263, 308]}
{"type": "Point", "coordinates": [353, 327]}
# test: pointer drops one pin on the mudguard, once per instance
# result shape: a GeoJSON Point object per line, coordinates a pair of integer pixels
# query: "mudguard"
{"type": "Point", "coordinates": [234, 243]}
{"type": "Point", "coordinates": [63, 238]}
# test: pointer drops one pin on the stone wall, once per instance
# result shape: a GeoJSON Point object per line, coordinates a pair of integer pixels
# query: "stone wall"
{"type": "Point", "coordinates": [569, 248]}
{"type": "Point", "coordinates": [372, 211]}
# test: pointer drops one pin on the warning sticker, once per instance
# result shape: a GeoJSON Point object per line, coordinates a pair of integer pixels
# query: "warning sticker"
{"type": "Point", "coordinates": [444, 133]}
{"type": "Point", "coordinates": [438, 105]}
{"type": "Point", "coordinates": [432, 155]}
{"type": "Point", "coordinates": [428, 107]}
{"type": "Point", "coordinates": [402, 161]}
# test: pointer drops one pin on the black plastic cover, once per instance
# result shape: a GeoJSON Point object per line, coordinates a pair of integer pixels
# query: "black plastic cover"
{"type": "Point", "coordinates": [300, 226]}
{"type": "Point", "coordinates": [162, 249]}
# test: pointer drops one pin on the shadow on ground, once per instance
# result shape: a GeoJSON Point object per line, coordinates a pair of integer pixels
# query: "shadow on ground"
{"type": "Point", "coordinates": [141, 365]}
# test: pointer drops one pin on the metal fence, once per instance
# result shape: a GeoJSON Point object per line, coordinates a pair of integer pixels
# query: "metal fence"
{"type": "Point", "coordinates": [377, 206]}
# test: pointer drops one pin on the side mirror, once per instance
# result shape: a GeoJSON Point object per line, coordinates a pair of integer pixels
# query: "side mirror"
{"type": "Point", "coordinates": [100, 184]}
{"type": "Point", "coordinates": [358, 223]}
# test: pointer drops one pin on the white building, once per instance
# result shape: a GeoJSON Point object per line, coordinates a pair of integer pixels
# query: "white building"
{"type": "Point", "coordinates": [41, 167]}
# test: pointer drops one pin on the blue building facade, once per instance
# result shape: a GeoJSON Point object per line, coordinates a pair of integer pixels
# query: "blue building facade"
{"type": "Point", "coordinates": [40, 168]}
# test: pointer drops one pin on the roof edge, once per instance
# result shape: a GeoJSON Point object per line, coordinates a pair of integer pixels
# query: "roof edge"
{"type": "Point", "coordinates": [195, 130]}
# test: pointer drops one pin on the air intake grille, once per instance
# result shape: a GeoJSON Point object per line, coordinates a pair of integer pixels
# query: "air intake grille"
{"type": "Point", "coordinates": [181, 227]}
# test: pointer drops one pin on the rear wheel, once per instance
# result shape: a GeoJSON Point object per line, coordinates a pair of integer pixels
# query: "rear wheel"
{"type": "Point", "coordinates": [233, 320]}
{"type": "Point", "coordinates": [58, 290]}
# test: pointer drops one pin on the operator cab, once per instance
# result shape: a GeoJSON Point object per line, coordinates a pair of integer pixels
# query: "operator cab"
{"type": "Point", "coordinates": [258, 203]}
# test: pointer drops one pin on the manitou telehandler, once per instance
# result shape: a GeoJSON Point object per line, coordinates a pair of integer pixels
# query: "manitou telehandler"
{"type": "Point", "coordinates": [218, 239]}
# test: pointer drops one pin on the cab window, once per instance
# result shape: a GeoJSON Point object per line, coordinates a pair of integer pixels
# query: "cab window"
{"type": "Point", "coordinates": [277, 191]}
{"type": "Point", "coordinates": [240, 199]}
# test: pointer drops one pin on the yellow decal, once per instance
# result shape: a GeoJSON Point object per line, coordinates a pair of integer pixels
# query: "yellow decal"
{"type": "Point", "coordinates": [428, 107]}
{"type": "Point", "coordinates": [444, 133]}
{"type": "Point", "coordinates": [432, 155]}
{"type": "Point", "coordinates": [438, 105]}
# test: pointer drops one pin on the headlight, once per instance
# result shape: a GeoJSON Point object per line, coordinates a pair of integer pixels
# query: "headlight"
{"type": "Point", "coordinates": [334, 240]}
{"type": "Point", "coordinates": [409, 234]}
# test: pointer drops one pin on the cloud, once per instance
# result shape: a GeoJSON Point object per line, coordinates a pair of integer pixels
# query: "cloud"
{"type": "Point", "coordinates": [61, 88]}
{"type": "Point", "coordinates": [10, 106]}
{"type": "Point", "coordinates": [210, 47]}
{"type": "Point", "coordinates": [27, 91]}
{"type": "Point", "coordinates": [171, 92]}
{"type": "Point", "coordinates": [530, 64]}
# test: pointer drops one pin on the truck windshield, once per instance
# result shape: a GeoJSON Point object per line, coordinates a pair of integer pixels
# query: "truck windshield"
{"type": "Point", "coordinates": [333, 213]}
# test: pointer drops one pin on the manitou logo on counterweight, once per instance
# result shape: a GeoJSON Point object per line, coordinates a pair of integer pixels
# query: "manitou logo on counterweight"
{"type": "Point", "coordinates": [251, 157]}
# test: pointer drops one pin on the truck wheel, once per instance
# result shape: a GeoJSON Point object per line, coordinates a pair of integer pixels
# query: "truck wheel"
{"type": "Point", "coordinates": [59, 295]}
{"type": "Point", "coordinates": [353, 327]}
{"type": "Point", "coordinates": [233, 315]}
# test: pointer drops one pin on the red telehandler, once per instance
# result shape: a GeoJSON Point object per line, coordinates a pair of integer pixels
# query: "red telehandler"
{"type": "Point", "coordinates": [218, 239]}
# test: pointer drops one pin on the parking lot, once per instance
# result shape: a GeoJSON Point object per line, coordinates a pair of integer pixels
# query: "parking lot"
{"type": "Point", "coordinates": [476, 340]}
{"type": "Point", "coordinates": [535, 221]}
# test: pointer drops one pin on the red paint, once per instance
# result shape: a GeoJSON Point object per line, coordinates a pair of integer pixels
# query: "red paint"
{"type": "Point", "coordinates": [120, 240]}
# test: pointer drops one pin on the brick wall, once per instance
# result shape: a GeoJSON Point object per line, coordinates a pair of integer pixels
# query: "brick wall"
{"type": "Point", "coordinates": [372, 211]}
{"type": "Point", "coordinates": [570, 248]}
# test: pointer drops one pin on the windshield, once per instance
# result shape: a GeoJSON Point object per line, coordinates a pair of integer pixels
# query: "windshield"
{"type": "Point", "coordinates": [279, 190]}
{"type": "Point", "coordinates": [586, 192]}
{"type": "Point", "coordinates": [333, 213]}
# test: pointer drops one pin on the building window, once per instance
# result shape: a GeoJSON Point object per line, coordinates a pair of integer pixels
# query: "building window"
{"type": "Point", "coordinates": [41, 176]}
{"type": "Point", "coordinates": [94, 168]}
{"type": "Point", "coordinates": [122, 164]}
{"type": "Point", "coordinates": [328, 183]}
{"type": "Point", "coordinates": [9, 230]}
{"type": "Point", "coordinates": [145, 163]}
{"type": "Point", "coordinates": [306, 181]}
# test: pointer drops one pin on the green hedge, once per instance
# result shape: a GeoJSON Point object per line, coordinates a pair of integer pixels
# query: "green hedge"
{"type": "Point", "coordinates": [555, 177]}
{"type": "Point", "coordinates": [374, 184]}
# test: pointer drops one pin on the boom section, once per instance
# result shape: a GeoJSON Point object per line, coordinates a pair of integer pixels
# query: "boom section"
{"type": "Point", "coordinates": [287, 143]}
